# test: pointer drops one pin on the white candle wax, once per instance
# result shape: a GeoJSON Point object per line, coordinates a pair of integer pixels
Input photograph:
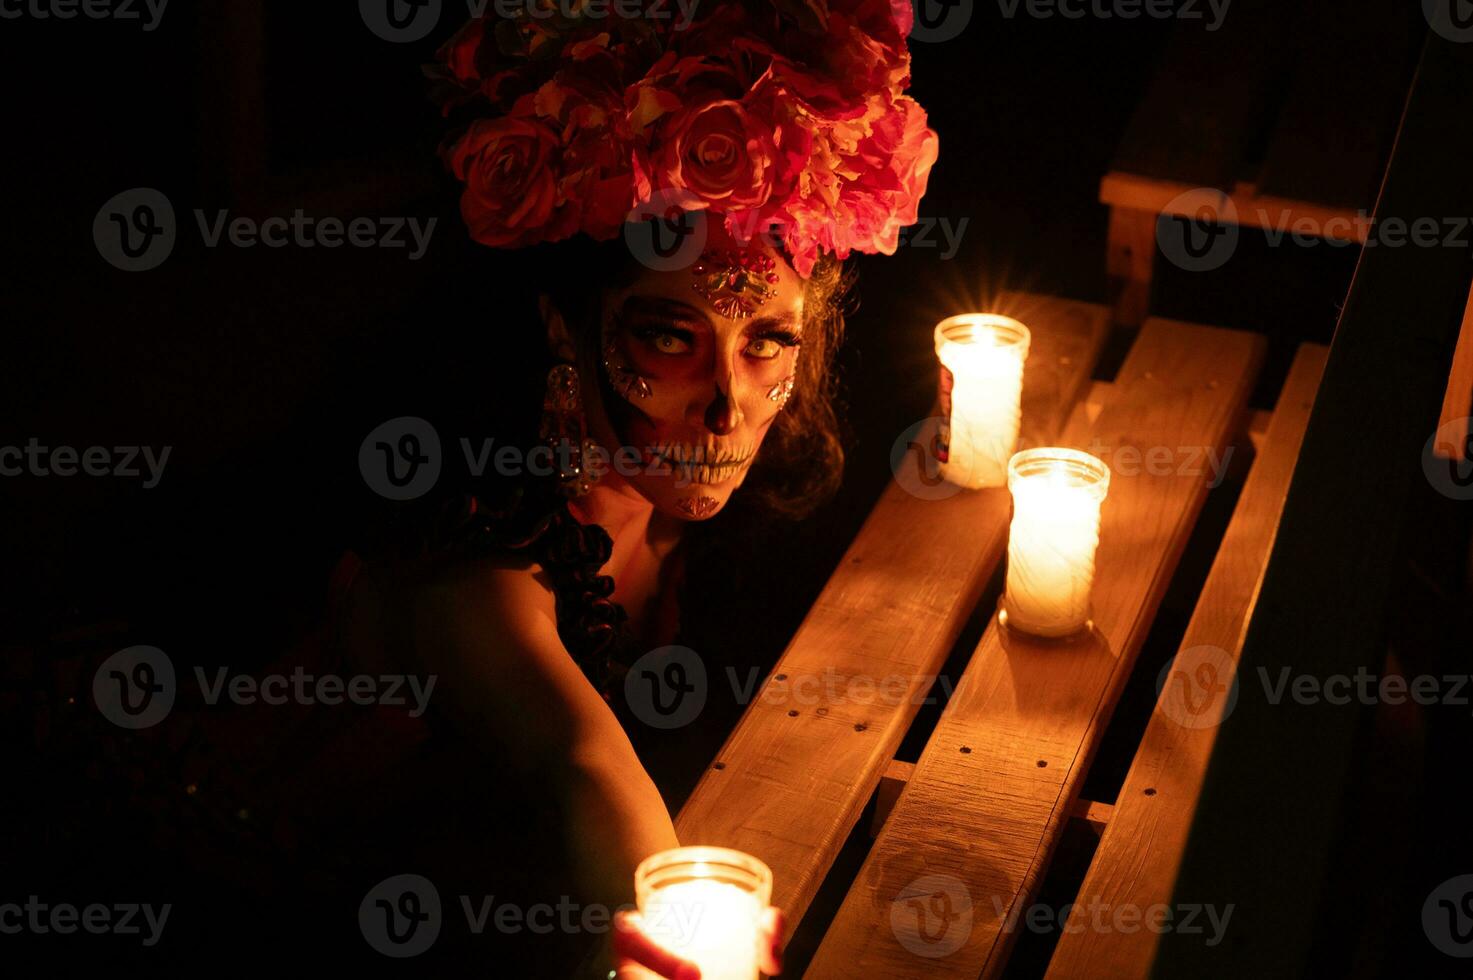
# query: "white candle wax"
{"type": "Point", "coordinates": [981, 357]}
{"type": "Point", "coordinates": [705, 904]}
{"type": "Point", "coordinates": [1055, 532]}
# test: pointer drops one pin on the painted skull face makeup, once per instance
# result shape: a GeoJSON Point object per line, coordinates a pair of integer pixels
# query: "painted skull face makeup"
{"type": "Point", "coordinates": [694, 378]}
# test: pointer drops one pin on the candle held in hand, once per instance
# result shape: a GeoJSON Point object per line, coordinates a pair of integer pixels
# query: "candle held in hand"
{"type": "Point", "coordinates": [1055, 532]}
{"type": "Point", "coordinates": [706, 904]}
{"type": "Point", "coordinates": [981, 357]}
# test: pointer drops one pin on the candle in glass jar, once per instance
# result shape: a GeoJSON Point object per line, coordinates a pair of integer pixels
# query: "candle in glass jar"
{"type": "Point", "coordinates": [981, 357]}
{"type": "Point", "coordinates": [1055, 531]}
{"type": "Point", "coordinates": [705, 904]}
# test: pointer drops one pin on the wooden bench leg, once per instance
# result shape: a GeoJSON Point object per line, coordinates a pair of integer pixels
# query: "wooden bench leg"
{"type": "Point", "coordinates": [1129, 261]}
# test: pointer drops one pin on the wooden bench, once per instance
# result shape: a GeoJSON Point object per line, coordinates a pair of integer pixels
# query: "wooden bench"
{"type": "Point", "coordinates": [888, 617]}
{"type": "Point", "coordinates": [975, 822]}
{"type": "Point", "coordinates": [1284, 115]}
{"type": "Point", "coordinates": [1281, 120]}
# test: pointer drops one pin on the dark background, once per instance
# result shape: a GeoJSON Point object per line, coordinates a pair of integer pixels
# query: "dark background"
{"type": "Point", "coordinates": [263, 369]}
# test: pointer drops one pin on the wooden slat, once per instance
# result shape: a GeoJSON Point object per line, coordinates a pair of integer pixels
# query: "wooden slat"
{"type": "Point", "coordinates": [1333, 134]}
{"type": "Point", "coordinates": [1458, 401]}
{"type": "Point", "coordinates": [1135, 865]}
{"type": "Point", "coordinates": [1251, 208]}
{"type": "Point", "coordinates": [794, 776]}
{"type": "Point", "coordinates": [1208, 98]}
{"type": "Point", "coordinates": [999, 777]}
{"type": "Point", "coordinates": [1092, 812]}
{"type": "Point", "coordinates": [897, 774]}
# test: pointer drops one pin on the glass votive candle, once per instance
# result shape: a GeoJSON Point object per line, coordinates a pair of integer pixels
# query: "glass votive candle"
{"type": "Point", "coordinates": [981, 357]}
{"type": "Point", "coordinates": [1055, 532]}
{"type": "Point", "coordinates": [705, 904]}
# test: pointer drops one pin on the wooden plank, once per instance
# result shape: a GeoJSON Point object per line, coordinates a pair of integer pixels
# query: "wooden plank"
{"type": "Point", "coordinates": [1268, 812]}
{"type": "Point", "coordinates": [1453, 442]}
{"type": "Point", "coordinates": [1333, 134]}
{"type": "Point", "coordinates": [796, 773]}
{"type": "Point", "coordinates": [897, 774]}
{"type": "Point", "coordinates": [1208, 99]}
{"type": "Point", "coordinates": [1130, 260]}
{"type": "Point", "coordinates": [1092, 812]}
{"type": "Point", "coordinates": [978, 821]}
{"type": "Point", "coordinates": [1068, 338]}
{"type": "Point", "coordinates": [1136, 863]}
{"type": "Point", "coordinates": [1258, 424]}
{"type": "Point", "coordinates": [1243, 202]}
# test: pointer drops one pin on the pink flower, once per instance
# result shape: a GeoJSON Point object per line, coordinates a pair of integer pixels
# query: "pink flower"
{"type": "Point", "coordinates": [856, 194]}
{"type": "Point", "coordinates": [718, 151]}
{"type": "Point", "coordinates": [509, 166]}
{"type": "Point", "coordinates": [787, 114]}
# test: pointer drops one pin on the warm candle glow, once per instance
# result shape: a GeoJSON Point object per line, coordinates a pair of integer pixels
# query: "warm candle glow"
{"type": "Point", "coordinates": [705, 904]}
{"type": "Point", "coordinates": [981, 357]}
{"type": "Point", "coordinates": [1055, 531]}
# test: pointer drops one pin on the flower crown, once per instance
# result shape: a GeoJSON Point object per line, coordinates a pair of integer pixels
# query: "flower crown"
{"type": "Point", "coordinates": [782, 116]}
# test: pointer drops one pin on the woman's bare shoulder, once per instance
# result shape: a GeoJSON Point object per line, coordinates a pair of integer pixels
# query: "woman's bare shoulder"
{"type": "Point", "coordinates": [509, 590]}
{"type": "Point", "coordinates": [492, 601]}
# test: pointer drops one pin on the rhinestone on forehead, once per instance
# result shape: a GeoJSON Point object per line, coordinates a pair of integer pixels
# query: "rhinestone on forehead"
{"type": "Point", "coordinates": [736, 284]}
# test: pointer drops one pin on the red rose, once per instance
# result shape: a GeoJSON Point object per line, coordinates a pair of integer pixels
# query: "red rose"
{"type": "Point", "coordinates": [459, 54]}
{"type": "Point", "coordinates": [718, 151]}
{"type": "Point", "coordinates": [509, 166]}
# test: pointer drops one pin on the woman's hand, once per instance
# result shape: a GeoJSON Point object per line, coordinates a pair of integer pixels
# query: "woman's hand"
{"type": "Point", "coordinates": [640, 958]}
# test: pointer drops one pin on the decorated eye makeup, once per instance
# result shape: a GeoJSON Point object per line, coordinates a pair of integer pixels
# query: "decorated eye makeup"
{"type": "Point", "coordinates": [665, 340]}
{"type": "Point", "coordinates": [770, 343]}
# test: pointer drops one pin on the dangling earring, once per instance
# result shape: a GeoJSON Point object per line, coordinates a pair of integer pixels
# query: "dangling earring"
{"type": "Point", "coordinates": [565, 430]}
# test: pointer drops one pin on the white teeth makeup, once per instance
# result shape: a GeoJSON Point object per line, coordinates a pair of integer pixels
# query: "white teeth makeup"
{"type": "Point", "coordinates": [702, 464]}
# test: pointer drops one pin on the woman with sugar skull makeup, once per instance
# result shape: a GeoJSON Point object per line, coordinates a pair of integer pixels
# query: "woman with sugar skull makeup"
{"type": "Point", "coordinates": [772, 140]}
